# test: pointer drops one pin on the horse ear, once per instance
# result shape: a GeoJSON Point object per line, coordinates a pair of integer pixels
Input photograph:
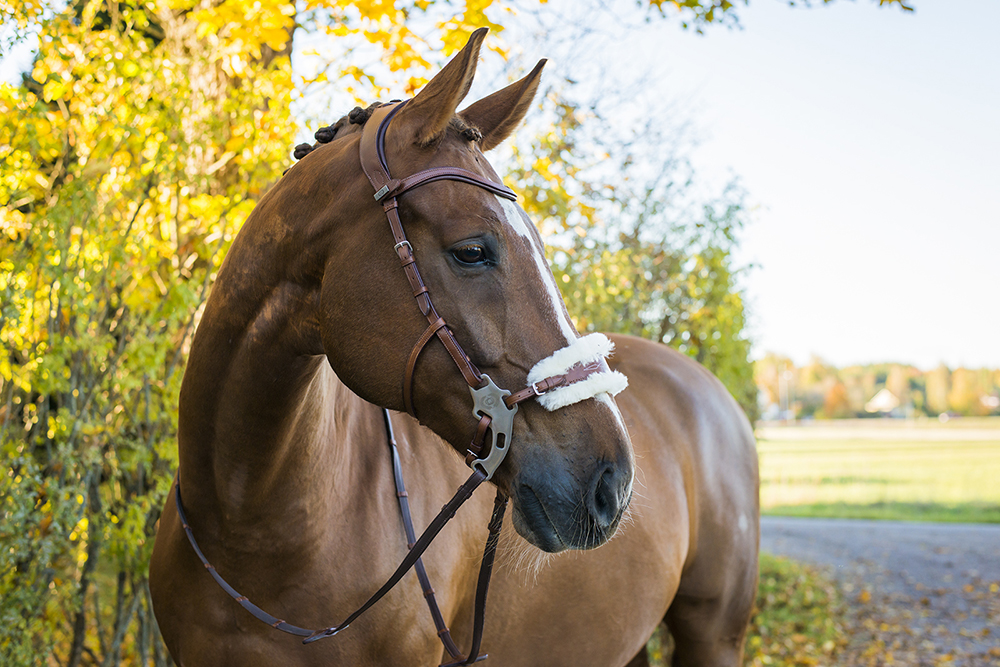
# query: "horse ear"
{"type": "Point", "coordinates": [433, 107]}
{"type": "Point", "coordinates": [499, 114]}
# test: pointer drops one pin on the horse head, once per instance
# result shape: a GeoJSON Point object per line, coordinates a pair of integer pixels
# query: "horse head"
{"type": "Point", "coordinates": [569, 468]}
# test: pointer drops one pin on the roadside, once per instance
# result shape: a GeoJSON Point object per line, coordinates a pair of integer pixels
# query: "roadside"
{"type": "Point", "coordinates": [918, 594]}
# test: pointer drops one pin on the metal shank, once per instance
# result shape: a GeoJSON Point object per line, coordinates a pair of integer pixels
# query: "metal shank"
{"type": "Point", "coordinates": [488, 401]}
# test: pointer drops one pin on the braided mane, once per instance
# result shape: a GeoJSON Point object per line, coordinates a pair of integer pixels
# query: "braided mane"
{"type": "Point", "coordinates": [358, 117]}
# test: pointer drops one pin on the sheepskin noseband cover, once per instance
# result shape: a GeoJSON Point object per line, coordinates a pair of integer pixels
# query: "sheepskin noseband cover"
{"type": "Point", "coordinates": [586, 350]}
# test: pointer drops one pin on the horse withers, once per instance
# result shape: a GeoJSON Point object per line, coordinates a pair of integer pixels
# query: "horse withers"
{"type": "Point", "coordinates": [625, 511]}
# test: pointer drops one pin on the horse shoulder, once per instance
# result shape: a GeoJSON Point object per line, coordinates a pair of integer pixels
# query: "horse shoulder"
{"type": "Point", "coordinates": [684, 421]}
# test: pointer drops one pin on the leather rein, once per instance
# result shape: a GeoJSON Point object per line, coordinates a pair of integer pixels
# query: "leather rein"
{"type": "Point", "coordinates": [493, 407]}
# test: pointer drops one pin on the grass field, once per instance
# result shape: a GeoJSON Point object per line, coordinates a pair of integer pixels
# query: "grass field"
{"type": "Point", "coordinates": [892, 469]}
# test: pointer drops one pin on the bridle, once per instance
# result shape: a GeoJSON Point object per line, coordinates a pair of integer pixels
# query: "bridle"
{"type": "Point", "coordinates": [493, 407]}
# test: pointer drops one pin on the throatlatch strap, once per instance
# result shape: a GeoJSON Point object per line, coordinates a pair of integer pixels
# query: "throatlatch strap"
{"type": "Point", "coordinates": [373, 162]}
{"type": "Point", "coordinates": [411, 364]}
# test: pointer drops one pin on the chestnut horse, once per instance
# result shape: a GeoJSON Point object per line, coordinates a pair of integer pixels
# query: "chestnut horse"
{"type": "Point", "coordinates": [284, 471]}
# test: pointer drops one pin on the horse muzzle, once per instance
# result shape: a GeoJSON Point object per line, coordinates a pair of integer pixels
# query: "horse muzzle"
{"type": "Point", "coordinates": [559, 510]}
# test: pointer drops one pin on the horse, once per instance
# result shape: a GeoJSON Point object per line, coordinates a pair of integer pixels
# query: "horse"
{"type": "Point", "coordinates": [626, 511]}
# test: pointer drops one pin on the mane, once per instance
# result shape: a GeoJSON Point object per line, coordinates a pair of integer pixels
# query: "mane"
{"type": "Point", "coordinates": [355, 121]}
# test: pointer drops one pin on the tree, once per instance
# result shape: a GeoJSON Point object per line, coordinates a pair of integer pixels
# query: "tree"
{"type": "Point", "coordinates": [967, 392]}
{"type": "Point", "coordinates": [836, 404]}
{"type": "Point", "coordinates": [699, 13]}
{"type": "Point", "coordinates": [633, 247]}
{"type": "Point", "coordinates": [131, 155]}
{"type": "Point", "coordinates": [938, 387]}
{"type": "Point", "coordinates": [898, 382]}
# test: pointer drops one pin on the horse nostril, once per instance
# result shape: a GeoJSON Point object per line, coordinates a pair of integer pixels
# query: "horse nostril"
{"type": "Point", "coordinates": [604, 502]}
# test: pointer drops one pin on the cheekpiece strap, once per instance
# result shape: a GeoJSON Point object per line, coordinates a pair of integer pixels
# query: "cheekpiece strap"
{"type": "Point", "coordinates": [373, 162]}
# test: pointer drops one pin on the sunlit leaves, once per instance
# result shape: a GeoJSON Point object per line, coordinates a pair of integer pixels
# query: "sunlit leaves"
{"type": "Point", "coordinates": [798, 617]}
{"type": "Point", "coordinates": [634, 248]}
{"type": "Point", "coordinates": [129, 160]}
{"type": "Point", "coordinates": [697, 14]}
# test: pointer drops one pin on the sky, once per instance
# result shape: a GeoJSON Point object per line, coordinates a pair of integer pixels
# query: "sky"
{"type": "Point", "coordinates": [869, 141]}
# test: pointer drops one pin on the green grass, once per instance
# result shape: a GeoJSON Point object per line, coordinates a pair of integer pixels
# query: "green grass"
{"type": "Point", "coordinates": [894, 511]}
{"type": "Point", "coordinates": [882, 469]}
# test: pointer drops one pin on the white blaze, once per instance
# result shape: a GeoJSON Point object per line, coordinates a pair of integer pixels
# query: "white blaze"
{"type": "Point", "coordinates": [519, 222]}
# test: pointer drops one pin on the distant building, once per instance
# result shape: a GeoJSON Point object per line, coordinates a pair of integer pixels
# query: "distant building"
{"type": "Point", "coordinates": [884, 401]}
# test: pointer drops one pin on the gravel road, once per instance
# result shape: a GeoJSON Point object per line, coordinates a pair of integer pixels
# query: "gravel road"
{"type": "Point", "coordinates": [919, 594]}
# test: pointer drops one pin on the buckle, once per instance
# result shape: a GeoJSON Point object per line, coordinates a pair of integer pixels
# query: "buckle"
{"type": "Point", "coordinates": [323, 634]}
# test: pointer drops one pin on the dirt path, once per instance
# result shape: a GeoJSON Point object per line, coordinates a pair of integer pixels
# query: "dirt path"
{"type": "Point", "coordinates": [919, 594]}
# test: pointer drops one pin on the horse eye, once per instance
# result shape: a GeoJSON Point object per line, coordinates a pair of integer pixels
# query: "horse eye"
{"type": "Point", "coordinates": [470, 254]}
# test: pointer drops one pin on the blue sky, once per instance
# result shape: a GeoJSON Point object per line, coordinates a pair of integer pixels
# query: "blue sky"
{"type": "Point", "coordinates": [869, 139]}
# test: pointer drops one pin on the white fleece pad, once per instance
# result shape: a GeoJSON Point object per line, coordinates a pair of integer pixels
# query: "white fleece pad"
{"type": "Point", "coordinates": [581, 351]}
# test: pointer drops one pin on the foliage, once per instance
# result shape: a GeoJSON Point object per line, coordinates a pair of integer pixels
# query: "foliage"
{"type": "Point", "coordinates": [797, 619]}
{"type": "Point", "coordinates": [819, 390]}
{"type": "Point", "coordinates": [635, 248]}
{"type": "Point", "coordinates": [131, 155]}
{"type": "Point", "coordinates": [698, 13]}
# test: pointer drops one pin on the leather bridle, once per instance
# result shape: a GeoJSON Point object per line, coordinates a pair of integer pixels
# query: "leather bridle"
{"type": "Point", "coordinates": [493, 407]}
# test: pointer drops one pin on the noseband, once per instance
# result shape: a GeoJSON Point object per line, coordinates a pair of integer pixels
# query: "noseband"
{"type": "Point", "coordinates": [493, 407]}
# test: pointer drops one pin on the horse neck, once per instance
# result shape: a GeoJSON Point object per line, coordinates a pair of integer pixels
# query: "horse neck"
{"type": "Point", "coordinates": [262, 414]}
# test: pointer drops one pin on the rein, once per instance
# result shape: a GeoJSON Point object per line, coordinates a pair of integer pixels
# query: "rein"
{"type": "Point", "coordinates": [493, 407]}
{"type": "Point", "coordinates": [413, 559]}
